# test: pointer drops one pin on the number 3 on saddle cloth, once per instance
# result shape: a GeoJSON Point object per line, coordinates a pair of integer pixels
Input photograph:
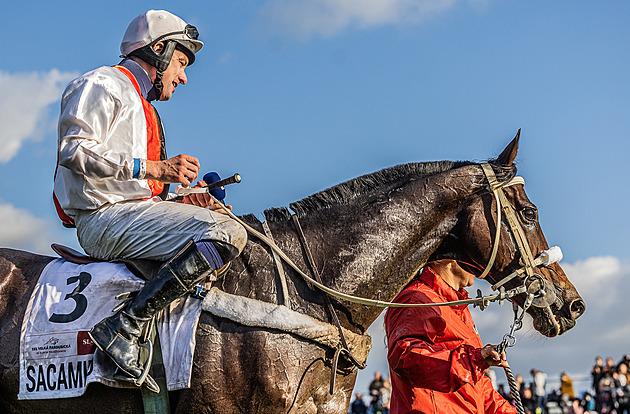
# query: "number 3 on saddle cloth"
{"type": "Point", "coordinates": [57, 357]}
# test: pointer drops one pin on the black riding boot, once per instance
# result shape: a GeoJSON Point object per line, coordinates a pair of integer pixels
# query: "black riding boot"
{"type": "Point", "coordinates": [118, 336]}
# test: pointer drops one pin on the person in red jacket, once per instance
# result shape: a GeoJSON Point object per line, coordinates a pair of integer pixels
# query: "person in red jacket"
{"type": "Point", "coordinates": [436, 357]}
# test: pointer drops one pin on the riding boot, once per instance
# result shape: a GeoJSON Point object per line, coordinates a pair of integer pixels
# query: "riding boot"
{"type": "Point", "coordinates": [119, 335]}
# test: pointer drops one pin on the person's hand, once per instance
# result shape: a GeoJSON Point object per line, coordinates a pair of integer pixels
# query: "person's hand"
{"type": "Point", "coordinates": [492, 357]}
{"type": "Point", "coordinates": [179, 169]}
{"type": "Point", "coordinates": [198, 199]}
{"type": "Point", "coordinates": [204, 200]}
{"type": "Point", "coordinates": [219, 208]}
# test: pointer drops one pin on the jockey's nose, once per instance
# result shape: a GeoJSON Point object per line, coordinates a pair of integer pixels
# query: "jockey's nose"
{"type": "Point", "coordinates": [577, 308]}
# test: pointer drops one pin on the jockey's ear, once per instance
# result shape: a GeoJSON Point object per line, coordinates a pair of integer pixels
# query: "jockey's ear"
{"type": "Point", "coordinates": [508, 155]}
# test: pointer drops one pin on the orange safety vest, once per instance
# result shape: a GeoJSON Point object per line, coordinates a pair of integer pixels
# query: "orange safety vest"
{"type": "Point", "coordinates": [155, 147]}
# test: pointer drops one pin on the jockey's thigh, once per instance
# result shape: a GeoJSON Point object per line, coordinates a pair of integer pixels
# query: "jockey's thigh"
{"type": "Point", "coordinates": [151, 229]}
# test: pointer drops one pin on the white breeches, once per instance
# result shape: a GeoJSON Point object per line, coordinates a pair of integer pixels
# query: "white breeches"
{"type": "Point", "coordinates": [152, 229]}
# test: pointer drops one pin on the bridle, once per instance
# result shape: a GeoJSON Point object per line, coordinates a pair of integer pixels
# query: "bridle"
{"type": "Point", "coordinates": [537, 294]}
{"type": "Point", "coordinates": [533, 284]}
{"type": "Point", "coordinates": [536, 285]}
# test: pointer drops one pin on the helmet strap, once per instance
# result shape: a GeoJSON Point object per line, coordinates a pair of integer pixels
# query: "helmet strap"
{"type": "Point", "coordinates": [159, 61]}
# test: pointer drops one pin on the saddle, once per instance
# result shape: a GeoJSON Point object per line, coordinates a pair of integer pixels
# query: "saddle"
{"type": "Point", "coordinates": [145, 269]}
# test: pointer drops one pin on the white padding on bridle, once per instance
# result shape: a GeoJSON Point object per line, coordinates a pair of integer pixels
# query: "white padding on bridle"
{"type": "Point", "coordinates": [514, 181]}
{"type": "Point", "coordinates": [550, 256]}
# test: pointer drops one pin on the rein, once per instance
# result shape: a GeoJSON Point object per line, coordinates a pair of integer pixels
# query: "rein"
{"type": "Point", "coordinates": [535, 290]}
{"type": "Point", "coordinates": [547, 257]}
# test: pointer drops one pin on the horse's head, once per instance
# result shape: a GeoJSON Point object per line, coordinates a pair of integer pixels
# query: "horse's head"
{"type": "Point", "coordinates": [557, 304]}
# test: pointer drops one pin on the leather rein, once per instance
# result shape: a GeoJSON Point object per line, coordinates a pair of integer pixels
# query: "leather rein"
{"type": "Point", "coordinates": [547, 257]}
{"type": "Point", "coordinates": [536, 288]}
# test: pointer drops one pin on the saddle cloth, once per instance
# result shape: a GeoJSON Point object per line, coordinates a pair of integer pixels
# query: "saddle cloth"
{"type": "Point", "coordinates": [57, 357]}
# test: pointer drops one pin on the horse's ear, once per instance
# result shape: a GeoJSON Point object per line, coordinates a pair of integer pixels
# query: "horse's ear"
{"type": "Point", "coordinates": [508, 155]}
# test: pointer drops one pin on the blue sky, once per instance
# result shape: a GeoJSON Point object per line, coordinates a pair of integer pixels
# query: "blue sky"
{"type": "Point", "coordinates": [299, 95]}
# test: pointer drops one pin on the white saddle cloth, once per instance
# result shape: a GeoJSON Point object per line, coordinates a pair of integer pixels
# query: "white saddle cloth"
{"type": "Point", "coordinates": [57, 357]}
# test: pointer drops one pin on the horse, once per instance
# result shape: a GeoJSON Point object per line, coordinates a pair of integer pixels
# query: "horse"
{"type": "Point", "coordinates": [369, 237]}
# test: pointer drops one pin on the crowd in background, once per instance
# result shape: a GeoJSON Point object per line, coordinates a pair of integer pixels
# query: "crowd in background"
{"type": "Point", "coordinates": [380, 391]}
{"type": "Point", "coordinates": [609, 392]}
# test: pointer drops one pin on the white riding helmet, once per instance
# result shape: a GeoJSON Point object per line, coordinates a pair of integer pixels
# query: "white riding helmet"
{"type": "Point", "coordinates": [159, 25]}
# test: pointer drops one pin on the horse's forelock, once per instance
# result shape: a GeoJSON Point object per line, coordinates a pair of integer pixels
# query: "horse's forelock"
{"type": "Point", "coordinates": [504, 173]}
{"type": "Point", "coordinates": [344, 192]}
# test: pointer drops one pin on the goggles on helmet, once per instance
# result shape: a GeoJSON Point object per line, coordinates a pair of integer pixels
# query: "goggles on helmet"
{"type": "Point", "coordinates": [190, 31]}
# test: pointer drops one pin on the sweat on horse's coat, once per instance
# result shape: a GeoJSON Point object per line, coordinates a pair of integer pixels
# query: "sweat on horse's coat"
{"type": "Point", "coordinates": [368, 238]}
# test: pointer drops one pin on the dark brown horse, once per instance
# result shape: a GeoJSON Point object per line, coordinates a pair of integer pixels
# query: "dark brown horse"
{"type": "Point", "coordinates": [369, 237]}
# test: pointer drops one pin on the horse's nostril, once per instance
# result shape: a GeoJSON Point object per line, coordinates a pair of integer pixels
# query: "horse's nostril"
{"type": "Point", "coordinates": [577, 308]}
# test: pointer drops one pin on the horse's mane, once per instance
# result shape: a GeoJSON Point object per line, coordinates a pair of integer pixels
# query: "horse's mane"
{"type": "Point", "coordinates": [346, 191]}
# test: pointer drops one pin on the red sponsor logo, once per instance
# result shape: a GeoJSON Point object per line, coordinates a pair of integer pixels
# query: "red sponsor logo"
{"type": "Point", "coordinates": [85, 346]}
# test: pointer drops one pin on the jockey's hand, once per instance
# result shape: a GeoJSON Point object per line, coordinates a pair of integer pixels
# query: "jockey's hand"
{"type": "Point", "coordinates": [204, 200]}
{"type": "Point", "coordinates": [492, 357]}
{"type": "Point", "coordinates": [220, 208]}
{"type": "Point", "coordinates": [198, 199]}
{"type": "Point", "coordinates": [179, 169]}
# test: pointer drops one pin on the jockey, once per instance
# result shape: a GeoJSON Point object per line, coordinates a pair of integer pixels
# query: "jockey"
{"type": "Point", "coordinates": [112, 178]}
{"type": "Point", "coordinates": [436, 358]}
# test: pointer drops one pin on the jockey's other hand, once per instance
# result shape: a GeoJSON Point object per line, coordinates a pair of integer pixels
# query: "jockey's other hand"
{"type": "Point", "coordinates": [204, 200]}
{"type": "Point", "coordinates": [178, 169]}
{"type": "Point", "coordinates": [492, 357]}
{"type": "Point", "coordinates": [199, 199]}
{"type": "Point", "coordinates": [220, 208]}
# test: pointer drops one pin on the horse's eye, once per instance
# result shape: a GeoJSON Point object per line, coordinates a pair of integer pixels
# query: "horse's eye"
{"type": "Point", "coordinates": [529, 214]}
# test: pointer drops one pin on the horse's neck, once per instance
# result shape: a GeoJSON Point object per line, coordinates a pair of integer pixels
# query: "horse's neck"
{"type": "Point", "coordinates": [373, 249]}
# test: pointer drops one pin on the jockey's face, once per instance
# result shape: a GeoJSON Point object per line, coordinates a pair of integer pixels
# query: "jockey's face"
{"type": "Point", "coordinates": [174, 74]}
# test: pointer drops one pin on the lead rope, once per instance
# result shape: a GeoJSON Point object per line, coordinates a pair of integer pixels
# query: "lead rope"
{"type": "Point", "coordinates": [509, 341]}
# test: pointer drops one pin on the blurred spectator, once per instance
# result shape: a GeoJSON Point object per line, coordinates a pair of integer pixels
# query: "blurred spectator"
{"type": "Point", "coordinates": [377, 383]}
{"type": "Point", "coordinates": [386, 393]}
{"type": "Point", "coordinates": [625, 360]}
{"type": "Point", "coordinates": [623, 399]}
{"type": "Point", "coordinates": [528, 400]}
{"type": "Point", "coordinates": [597, 371]}
{"type": "Point", "coordinates": [610, 366]}
{"type": "Point", "coordinates": [604, 400]}
{"type": "Point", "coordinates": [575, 407]}
{"type": "Point", "coordinates": [375, 406]}
{"type": "Point", "coordinates": [566, 389]}
{"type": "Point", "coordinates": [588, 403]}
{"type": "Point", "coordinates": [622, 370]}
{"type": "Point", "coordinates": [358, 406]}
{"type": "Point", "coordinates": [540, 392]}
{"type": "Point", "coordinates": [520, 385]}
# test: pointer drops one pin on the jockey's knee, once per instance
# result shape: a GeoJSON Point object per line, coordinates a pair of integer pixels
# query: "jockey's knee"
{"type": "Point", "coordinates": [238, 235]}
{"type": "Point", "coordinates": [231, 239]}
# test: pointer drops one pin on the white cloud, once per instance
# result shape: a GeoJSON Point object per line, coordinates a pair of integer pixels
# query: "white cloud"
{"type": "Point", "coordinates": [305, 18]}
{"type": "Point", "coordinates": [593, 276]}
{"type": "Point", "coordinates": [24, 107]}
{"type": "Point", "coordinates": [22, 230]}
{"type": "Point", "coordinates": [604, 329]}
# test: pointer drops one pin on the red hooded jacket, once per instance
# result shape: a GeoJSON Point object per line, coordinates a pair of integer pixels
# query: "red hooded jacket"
{"type": "Point", "coordinates": [435, 354]}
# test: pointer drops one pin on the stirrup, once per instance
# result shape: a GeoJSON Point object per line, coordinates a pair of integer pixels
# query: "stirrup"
{"type": "Point", "coordinates": [148, 345]}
